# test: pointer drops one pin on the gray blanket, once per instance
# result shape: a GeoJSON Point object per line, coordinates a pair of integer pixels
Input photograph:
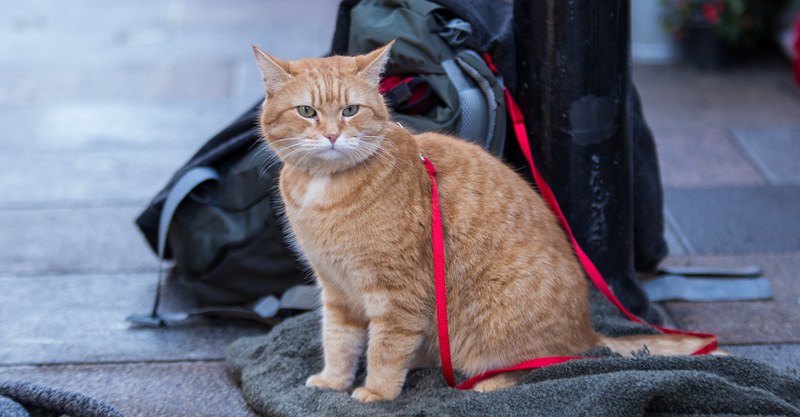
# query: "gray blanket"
{"type": "Point", "coordinates": [25, 399]}
{"type": "Point", "coordinates": [272, 370]}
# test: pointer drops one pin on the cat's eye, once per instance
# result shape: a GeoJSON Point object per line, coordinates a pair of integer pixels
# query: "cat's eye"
{"type": "Point", "coordinates": [306, 111]}
{"type": "Point", "coordinates": [350, 110]}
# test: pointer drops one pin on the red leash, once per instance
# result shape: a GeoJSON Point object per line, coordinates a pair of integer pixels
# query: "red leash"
{"type": "Point", "coordinates": [591, 270]}
{"type": "Point", "coordinates": [438, 273]}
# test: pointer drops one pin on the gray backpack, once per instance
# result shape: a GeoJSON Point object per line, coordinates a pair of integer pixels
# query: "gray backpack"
{"type": "Point", "coordinates": [435, 81]}
{"type": "Point", "coordinates": [218, 217]}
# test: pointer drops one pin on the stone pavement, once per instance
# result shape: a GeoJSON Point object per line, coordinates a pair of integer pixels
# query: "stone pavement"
{"type": "Point", "coordinates": [100, 102]}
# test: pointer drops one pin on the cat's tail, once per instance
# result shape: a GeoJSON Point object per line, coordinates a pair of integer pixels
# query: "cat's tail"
{"type": "Point", "coordinates": [658, 344]}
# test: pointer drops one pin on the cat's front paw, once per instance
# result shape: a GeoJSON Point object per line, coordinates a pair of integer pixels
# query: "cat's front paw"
{"type": "Point", "coordinates": [319, 380]}
{"type": "Point", "coordinates": [366, 396]}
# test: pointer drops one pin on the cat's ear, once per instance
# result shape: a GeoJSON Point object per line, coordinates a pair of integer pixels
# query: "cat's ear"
{"type": "Point", "coordinates": [371, 65]}
{"type": "Point", "coordinates": [274, 70]}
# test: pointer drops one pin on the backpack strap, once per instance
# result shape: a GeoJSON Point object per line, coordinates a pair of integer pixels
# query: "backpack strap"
{"type": "Point", "coordinates": [491, 85]}
{"type": "Point", "coordinates": [264, 310]}
{"type": "Point", "coordinates": [301, 297]}
{"type": "Point", "coordinates": [188, 182]}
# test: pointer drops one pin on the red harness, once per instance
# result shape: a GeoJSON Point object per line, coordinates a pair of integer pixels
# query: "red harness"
{"type": "Point", "coordinates": [591, 270]}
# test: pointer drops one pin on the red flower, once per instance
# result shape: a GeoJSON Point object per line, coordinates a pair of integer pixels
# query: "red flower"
{"type": "Point", "coordinates": [797, 50]}
{"type": "Point", "coordinates": [710, 13]}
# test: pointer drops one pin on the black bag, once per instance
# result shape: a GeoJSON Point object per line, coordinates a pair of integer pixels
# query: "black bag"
{"type": "Point", "coordinates": [218, 220]}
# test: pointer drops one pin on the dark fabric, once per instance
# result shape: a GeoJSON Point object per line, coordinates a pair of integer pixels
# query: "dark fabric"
{"type": "Point", "coordinates": [648, 195]}
{"type": "Point", "coordinates": [25, 399]}
{"type": "Point", "coordinates": [273, 368]}
{"type": "Point", "coordinates": [240, 134]}
{"type": "Point", "coordinates": [227, 241]}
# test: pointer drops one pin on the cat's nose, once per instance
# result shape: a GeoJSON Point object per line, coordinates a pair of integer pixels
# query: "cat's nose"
{"type": "Point", "coordinates": [332, 137]}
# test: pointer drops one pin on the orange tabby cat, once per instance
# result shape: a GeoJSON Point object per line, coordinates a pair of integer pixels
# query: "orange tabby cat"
{"type": "Point", "coordinates": [358, 200]}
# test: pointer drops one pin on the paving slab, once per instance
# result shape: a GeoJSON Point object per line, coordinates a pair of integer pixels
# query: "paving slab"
{"type": "Point", "coordinates": [85, 15]}
{"type": "Point", "coordinates": [81, 319]}
{"type": "Point", "coordinates": [73, 240]}
{"type": "Point", "coordinates": [747, 322]}
{"type": "Point", "coordinates": [741, 220]}
{"type": "Point", "coordinates": [761, 93]}
{"type": "Point", "coordinates": [111, 126]}
{"type": "Point", "coordinates": [116, 125]}
{"type": "Point", "coordinates": [284, 41]}
{"type": "Point", "coordinates": [236, 13]}
{"type": "Point", "coordinates": [34, 23]}
{"type": "Point", "coordinates": [776, 151]}
{"type": "Point", "coordinates": [781, 356]}
{"type": "Point", "coordinates": [675, 243]}
{"type": "Point", "coordinates": [196, 79]}
{"type": "Point", "coordinates": [87, 176]}
{"type": "Point", "coordinates": [146, 389]}
{"type": "Point", "coordinates": [18, 126]}
{"type": "Point", "coordinates": [703, 158]}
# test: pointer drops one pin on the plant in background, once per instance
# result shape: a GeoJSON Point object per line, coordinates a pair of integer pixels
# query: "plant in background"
{"type": "Point", "coordinates": [739, 22]}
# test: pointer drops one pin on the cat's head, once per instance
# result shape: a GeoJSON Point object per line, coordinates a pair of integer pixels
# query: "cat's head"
{"type": "Point", "coordinates": [324, 115]}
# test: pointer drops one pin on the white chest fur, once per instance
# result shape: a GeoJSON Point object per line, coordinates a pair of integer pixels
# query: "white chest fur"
{"type": "Point", "coordinates": [315, 191]}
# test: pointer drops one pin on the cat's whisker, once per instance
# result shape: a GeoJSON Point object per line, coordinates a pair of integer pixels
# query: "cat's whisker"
{"type": "Point", "coordinates": [307, 153]}
{"type": "Point", "coordinates": [364, 154]}
{"type": "Point", "coordinates": [295, 138]}
{"type": "Point", "coordinates": [291, 149]}
{"type": "Point", "coordinates": [273, 158]}
{"type": "Point", "coordinates": [268, 132]}
{"type": "Point", "coordinates": [376, 150]}
{"type": "Point", "coordinates": [390, 163]}
{"type": "Point", "coordinates": [276, 158]}
{"type": "Point", "coordinates": [387, 155]}
{"type": "Point", "coordinates": [262, 149]}
{"type": "Point", "coordinates": [380, 148]}
{"type": "Point", "coordinates": [354, 162]}
{"type": "Point", "coordinates": [267, 165]}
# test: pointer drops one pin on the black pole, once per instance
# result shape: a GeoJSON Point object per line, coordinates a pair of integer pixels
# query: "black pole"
{"type": "Point", "coordinates": [574, 88]}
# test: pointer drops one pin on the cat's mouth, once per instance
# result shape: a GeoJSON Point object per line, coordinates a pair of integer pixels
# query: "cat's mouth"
{"type": "Point", "coordinates": [330, 154]}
